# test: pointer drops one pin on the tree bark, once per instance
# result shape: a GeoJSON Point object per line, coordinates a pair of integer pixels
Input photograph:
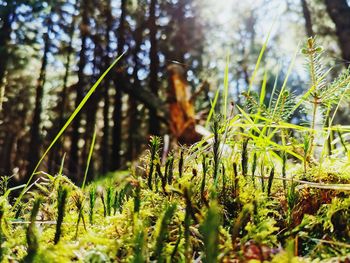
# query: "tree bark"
{"type": "Point", "coordinates": [307, 17]}
{"type": "Point", "coordinates": [119, 83]}
{"type": "Point", "coordinates": [154, 125]}
{"type": "Point", "coordinates": [74, 164]}
{"type": "Point", "coordinates": [339, 11]}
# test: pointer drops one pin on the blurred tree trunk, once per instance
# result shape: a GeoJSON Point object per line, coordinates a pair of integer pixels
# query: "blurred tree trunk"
{"type": "Point", "coordinates": [307, 17]}
{"type": "Point", "coordinates": [119, 82]}
{"type": "Point", "coordinates": [339, 11]}
{"type": "Point", "coordinates": [7, 18]}
{"type": "Point", "coordinates": [6, 155]}
{"type": "Point", "coordinates": [133, 124]}
{"type": "Point", "coordinates": [74, 164]}
{"type": "Point", "coordinates": [92, 106]}
{"type": "Point", "coordinates": [34, 133]}
{"type": "Point", "coordinates": [154, 125]}
{"type": "Point", "coordinates": [180, 34]}
{"type": "Point", "coordinates": [107, 82]}
{"type": "Point", "coordinates": [57, 152]}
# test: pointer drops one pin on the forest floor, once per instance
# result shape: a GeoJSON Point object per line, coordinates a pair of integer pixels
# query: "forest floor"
{"type": "Point", "coordinates": [186, 210]}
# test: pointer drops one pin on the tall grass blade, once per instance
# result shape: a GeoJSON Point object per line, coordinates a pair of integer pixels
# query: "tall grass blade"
{"type": "Point", "coordinates": [226, 87]}
{"type": "Point", "coordinates": [68, 122]}
{"type": "Point", "coordinates": [89, 158]}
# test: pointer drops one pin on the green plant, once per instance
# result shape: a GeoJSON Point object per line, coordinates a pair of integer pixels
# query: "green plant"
{"type": "Point", "coordinates": [269, 184]}
{"type": "Point", "coordinates": [109, 201]}
{"type": "Point", "coordinates": [61, 204]}
{"type": "Point", "coordinates": [244, 159]}
{"type": "Point", "coordinates": [92, 200]}
{"type": "Point", "coordinates": [32, 238]}
{"type": "Point", "coordinates": [155, 144]}
{"type": "Point", "coordinates": [163, 232]}
{"type": "Point", "coordinates": [2, 211]}
{"type": "Point", "coordinates": [181, 162]}
{"type": "Point", "coordinates": [210, 232]}
{"type": "Point", "coordinates": [216, 148]}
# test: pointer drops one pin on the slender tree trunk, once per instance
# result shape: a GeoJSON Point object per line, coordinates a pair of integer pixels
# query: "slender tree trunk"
{"type": "Point", "coordinates": [307, 17]}
{"type": "Point", "coordinates": [339, 11]}
{"type": "Point", "coordinates": [119, 81]}
{"type": "Point", "coordinates": [92, 108]}
{"type": "Point", "coordinates": [74, 162]}
{"type": "Point", "coordinates": [133, 125]}
{"type": "Point", "coordinates": [154, 125]}
{"type": "Point", "coordinates": [180, 36]}
{"type": "Point", "coordinates": [107, 82]}
{"type": "Point", "coordinates": [35, 139]}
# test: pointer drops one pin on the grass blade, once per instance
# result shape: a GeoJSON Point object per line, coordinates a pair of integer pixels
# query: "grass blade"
{"type": "Point", "coordinates": [68, 122]}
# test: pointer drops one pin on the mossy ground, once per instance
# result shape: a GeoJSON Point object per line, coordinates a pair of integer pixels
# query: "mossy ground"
{"type": "Point", "coordinates": [234, 218]}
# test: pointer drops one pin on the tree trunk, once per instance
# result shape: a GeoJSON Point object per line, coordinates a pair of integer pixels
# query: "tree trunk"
{"type": "Point", "coordinates": [107, 82]}
{"type": "Point", "coordinates": [179, 17]}
{"type": "Point", "coordinates": [6, 155]}
{"type": "Point", "coordinates": [119, 83]}
{"type": "Point", "coordinates": [307, 17]}
{"type": "Point", "coordinates": [57, 152]}
{"type": "Point", "coordinates": [339, 11]}
{"type": "Point", "coordinates": [92, 108]}
{"type": "Point", "coordinates": [35, 139]}
{"type": "Point", "coordinates": [133, 125]}
{"type": "Point", "coordinates": [74, 164]}
{"type": "Point", "coordinates": [7, 19]}
{"type": "Point", "coordinates": [154, 125]}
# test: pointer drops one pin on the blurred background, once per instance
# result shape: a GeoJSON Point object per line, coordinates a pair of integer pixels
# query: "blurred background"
{"type": "Point", "coordinates": [52, 52]}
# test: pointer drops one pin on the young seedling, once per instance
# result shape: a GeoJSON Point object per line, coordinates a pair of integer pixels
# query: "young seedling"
{"type": "Point", "coordinates": [139, 247]}
{"type": "Point", "coordinates": [116, 202]}
{"type": "Point", "coordinates": [161, 176]}
{"type": "Point", "coordinates": [181, 162]}
{"type": "Point", "coordinates": [109, 200]}
{"type": "Point", "coordinates": [169, 173]}
{"type": "Point", "coordinates": [342, 141]}
{"type": "Point", "coordinates": [61, 204]}
{"type": "Point", "coordinates": [210, 232]}
{"type": "Point", "coordinates": [92, 200]}
{"type": "Point", "coordinates": [176, 246]}
{"type": "Point", "coordinates": [269, 184]}
{"type": "Point", "coordinates": [235, 180]}
{"type": "Point", "coordinates": [307, 146]}
{"type": "Point", "coordinates": [244, 160]}
{"type": "Point", "coordinates": [223, 179]}
{"type": "Point", "coordinates": [292, 197]}
{"type": "Point", "coordinates": [284, 164]}
{"type": "Point", "coordinates": [239, 223]}
{"type": "Point", "coordinates": [79, 203]}
{"type": "Point", "coordinates": [204, 169]}
{"type": "Point", "coordinates": [155, 144]}
{"type": "Point", "coordinates": [254, 165]}
{"type": "Point", "coordinates": [137, 199]}
{"type": "Point", "coordinates": [102, 196]}
{"type": "Point", "coordinates": [32, 239]}
{"type": "Point", "coordinates": [163, 232]}
{"type": "Point", "coordinates": [1, 235]}
{"type": "Point", "coordinates": [262, 171]}
{"type": "Point", "coordinates": [216, 146]}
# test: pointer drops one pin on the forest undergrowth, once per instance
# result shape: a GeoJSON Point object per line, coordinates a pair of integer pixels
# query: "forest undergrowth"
{"type": "Point", "coordinates": [259, 188]}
